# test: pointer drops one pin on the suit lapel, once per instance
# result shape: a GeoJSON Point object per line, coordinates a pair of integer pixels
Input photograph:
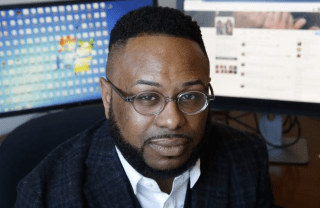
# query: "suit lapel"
{"type": "Point", "coordinates": [109, 188]}
{"type": "Point", "coordinates": [206, 195]}
{"type": "Point", "coordinates": [187, 201]}
{"type": "Point", "coordinates": [211, 189]}
{"type": "Point", "coordinates": [106, 183]}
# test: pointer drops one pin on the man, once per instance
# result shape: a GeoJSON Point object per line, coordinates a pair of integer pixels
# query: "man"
{"type": "Point", "coordinates": [157, 147]}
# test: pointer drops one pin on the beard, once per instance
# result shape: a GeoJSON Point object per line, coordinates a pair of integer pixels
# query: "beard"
{"type": "Point", "coordinates": [135, 158]}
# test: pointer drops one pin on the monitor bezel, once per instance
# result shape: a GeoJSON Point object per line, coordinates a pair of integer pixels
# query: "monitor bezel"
{"type": "Point", "coordinates": [60, 106]}
{"type": "Point", "coordinates": [54, 3]}
{"type": "Point", "coordinates": [223, 103]}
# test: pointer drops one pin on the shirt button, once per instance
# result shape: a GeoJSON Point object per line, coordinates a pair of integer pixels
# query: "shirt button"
{"type": "Point", "coordinates": [150, 185]}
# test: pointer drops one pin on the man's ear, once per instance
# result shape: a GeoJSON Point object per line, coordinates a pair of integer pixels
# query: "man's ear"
{"type": "Point", "coordinates": [105, 95]}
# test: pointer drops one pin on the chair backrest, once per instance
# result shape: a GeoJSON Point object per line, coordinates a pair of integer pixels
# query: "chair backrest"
{"type": "Point", "coordinates": [28, 144]}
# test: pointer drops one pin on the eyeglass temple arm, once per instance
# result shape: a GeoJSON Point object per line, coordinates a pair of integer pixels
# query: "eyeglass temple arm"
{"type": "Point", "coordinates": [127, 99]}
{"type": "Point", "coordinates": [211, 97]}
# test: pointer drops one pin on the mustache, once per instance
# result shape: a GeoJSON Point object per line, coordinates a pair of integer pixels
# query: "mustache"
{"type": "Point", "coordinates": [165, 136]}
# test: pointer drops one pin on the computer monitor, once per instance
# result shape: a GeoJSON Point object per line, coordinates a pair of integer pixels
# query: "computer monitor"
{"type": "Point", "coordinates": [53, 54]}
{"type": "Point", "coordinates": [264, 57]}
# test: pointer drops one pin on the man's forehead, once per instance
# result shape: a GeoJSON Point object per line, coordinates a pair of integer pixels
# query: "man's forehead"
{"type": "Point", "coordinates": [145, 57]}
{"type": "Point", "coordinates": [183, 83]}
{"type": "Point", "coordinates": [142, 42]}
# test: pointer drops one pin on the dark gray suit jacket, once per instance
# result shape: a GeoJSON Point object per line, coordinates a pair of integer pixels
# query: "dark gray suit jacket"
{"type": "Point", "coordinates": [85, 171]}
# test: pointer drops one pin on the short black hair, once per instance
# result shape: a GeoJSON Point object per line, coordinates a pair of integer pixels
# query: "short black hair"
{"type": "Point", "coordinates": [154, 21]}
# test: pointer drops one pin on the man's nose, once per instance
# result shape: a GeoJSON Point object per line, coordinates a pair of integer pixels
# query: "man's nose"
{"type": "Point", "coordinates": [171, 117]}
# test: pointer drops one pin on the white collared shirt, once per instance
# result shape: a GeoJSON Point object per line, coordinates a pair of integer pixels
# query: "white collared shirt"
{"type": "Point", "coordinates": [148, 192]}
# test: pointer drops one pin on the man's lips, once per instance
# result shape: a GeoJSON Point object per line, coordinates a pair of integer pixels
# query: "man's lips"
{"type": "Point", "coordinates": [169, 147]}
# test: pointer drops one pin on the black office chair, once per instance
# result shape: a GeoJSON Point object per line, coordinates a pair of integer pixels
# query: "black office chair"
{"type": "Point", "coordinates": [29, 143]}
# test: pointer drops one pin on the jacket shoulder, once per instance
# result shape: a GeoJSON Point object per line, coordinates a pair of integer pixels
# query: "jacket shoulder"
{"type": "Point", "coordinates": [60, 174]}
{"type": "Point", "coordinates": [232, 140]}
{"type": "Point", "coordinates": [234, 169]}
{"type": "Point", "coordinates": [234, 150]}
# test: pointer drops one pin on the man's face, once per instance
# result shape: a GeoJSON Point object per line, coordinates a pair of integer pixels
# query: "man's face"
{"type": "Point", "coordinates": [167, 65]}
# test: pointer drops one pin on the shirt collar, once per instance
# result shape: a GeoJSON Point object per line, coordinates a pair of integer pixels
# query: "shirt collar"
{"type": "Point", "coordinates": [134, 176]}
{"type": "Point", "coordinates": [195, 173]}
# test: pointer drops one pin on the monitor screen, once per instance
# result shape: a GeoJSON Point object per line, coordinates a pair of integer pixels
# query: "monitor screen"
{"type": "Point", "coordinates": [52, 55]}
{"type": "Point", "coordinates": [264, 55]}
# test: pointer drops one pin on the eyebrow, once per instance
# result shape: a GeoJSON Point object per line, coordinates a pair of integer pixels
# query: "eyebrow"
{"type": "Point", "coordinates": [145, 82]}
{"type": "Point", "coordinates": [195, 82]}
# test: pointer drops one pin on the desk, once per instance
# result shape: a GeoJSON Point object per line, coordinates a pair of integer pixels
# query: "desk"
{"type": "Point", "coordinates": [299, 186]}
{"type": "Point", "coordinates": [296, 186]}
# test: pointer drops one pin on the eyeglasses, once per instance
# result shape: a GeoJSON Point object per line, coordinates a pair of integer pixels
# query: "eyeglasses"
{"type": "Point", "coordinates": [153, 103]}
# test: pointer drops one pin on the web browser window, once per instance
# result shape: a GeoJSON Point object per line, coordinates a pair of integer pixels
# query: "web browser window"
{"type": "Point", "coordinates": [261, 50]}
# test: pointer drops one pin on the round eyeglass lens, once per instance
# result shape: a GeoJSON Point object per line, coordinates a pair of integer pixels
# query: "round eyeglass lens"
{"type": "Point", "coordinates": [192, 102]}
{"type": "Point", "coordinates": [148, 103]}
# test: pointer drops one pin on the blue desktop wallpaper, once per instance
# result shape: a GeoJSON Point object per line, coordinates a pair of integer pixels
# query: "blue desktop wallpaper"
{"type": "Point", "coordinates": [55, 55]}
